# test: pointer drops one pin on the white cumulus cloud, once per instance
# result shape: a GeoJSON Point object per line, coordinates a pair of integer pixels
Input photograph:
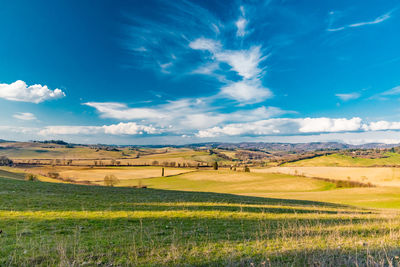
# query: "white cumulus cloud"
{"type": "Point", "coordinates": [320, 125]}
{"type": "Point", "coordinates": [130, 128]}
{"type": "Point", "coordinates": [383, 125]}
{"type": "Point", "coordinates": [285, 126]}
{"type": "Point", "coordinates": [20, 91]}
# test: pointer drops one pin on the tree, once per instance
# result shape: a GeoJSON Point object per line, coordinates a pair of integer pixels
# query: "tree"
{"type": "Point", "coordinates": [4, 161]}
{"type": "Point", "coordinates": [162, 171]}
{"type": "Point", "coordinates": [31, 177]}
{"type": "Point", "coordinates": [110, 180]}
{"type": "Point", "coordinates": [215, 165]}
{"type": "Point", "coordinates": [246, 169]}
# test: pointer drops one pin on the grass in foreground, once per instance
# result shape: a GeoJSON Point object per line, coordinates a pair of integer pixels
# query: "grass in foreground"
{"type": "Point", "coordinates": [71, 225]}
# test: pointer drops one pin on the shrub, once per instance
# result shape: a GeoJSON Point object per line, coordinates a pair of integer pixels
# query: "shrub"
{"type": "Point", "coordinates": [140, 184]}
{"type": "Point", "coordinates": [31, 177]}
{"type": "Point", "coordinates": [246, 169]}
{"type": "Point", "coordinates": [110, 180]}
{"type": "Point", "coordinates": [54, 175]}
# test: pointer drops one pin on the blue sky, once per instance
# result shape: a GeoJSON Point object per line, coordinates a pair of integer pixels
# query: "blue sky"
{"type": "Point", "coordinates": [173, 72]}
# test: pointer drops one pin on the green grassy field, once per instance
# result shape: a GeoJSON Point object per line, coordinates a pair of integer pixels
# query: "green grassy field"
{"type": "Point", "coordinates": [48, 224]}
{"type": "Point", "coordinates": [339, 160]}
{"type": "Point", "coordinates": [225, 181]}
{"type": "Point", "coordinates": [11, 175]}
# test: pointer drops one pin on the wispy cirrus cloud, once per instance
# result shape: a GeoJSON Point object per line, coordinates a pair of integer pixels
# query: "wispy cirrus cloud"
{"type": "Point", "coordinates": [25, 116]}
{"type": "Point", "coordinates": [348, 96]}
{"type": "Point", "coordinates": [245, 63]}
{"type": "Point", "coordinates": [160, 42]}
{"type": "Point", "coordinates": [20, 91]}
{"type": "Point", "coordinates": [246, 91]}
{"type": "Point", "coordinates": [393, 91]}
{"type": "Point", "coordinates": [130, 128]}
{"type": "Point", "coordinates": [171, 47]}
{"type": "Point", "coordinates": [183, 116]}
{"type": "Point", "coordinates": [241, 23]}
{"type": "Point", "coordinates": [385, 95]}
{"type": "Point", "coordinates": [377, 20]}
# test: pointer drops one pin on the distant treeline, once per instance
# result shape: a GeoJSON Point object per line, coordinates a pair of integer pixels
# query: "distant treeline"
{"type": "Point", "coordinates": [344, 183]}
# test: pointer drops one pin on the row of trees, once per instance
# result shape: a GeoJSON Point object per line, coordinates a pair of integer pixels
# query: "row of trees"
{"type": "Point", "coordinates": [216, 167]}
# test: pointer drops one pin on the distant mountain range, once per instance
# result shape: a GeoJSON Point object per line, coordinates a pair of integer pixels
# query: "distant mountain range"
{"type": "Point", "coordinates": [252, 145]}
{"type": "Point", "coordinates": [292, 146]}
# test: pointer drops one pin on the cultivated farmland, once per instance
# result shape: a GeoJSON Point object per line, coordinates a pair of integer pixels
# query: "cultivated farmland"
{"type": "Point", "coordinates": [211, 207]}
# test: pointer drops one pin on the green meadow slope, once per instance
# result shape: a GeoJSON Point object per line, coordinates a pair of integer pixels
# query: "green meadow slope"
{"type": "Point", "coordinates": [46, 224]}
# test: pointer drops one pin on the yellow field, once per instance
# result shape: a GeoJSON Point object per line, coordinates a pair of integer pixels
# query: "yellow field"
{"type": "Point", "coordinates": [96, 175]}
{"type": "Point", "coordinates": [85, 156]}
{"type": "Point", "coordinates": [382, 176]}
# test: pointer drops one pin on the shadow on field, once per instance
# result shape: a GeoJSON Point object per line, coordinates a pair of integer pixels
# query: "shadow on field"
{"type": "Point", "coordinates": [277, 208]}
{"type": "Point", "coordinates": [71, 225]}
{"type": "Point", "coordinates": [22, 195]}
